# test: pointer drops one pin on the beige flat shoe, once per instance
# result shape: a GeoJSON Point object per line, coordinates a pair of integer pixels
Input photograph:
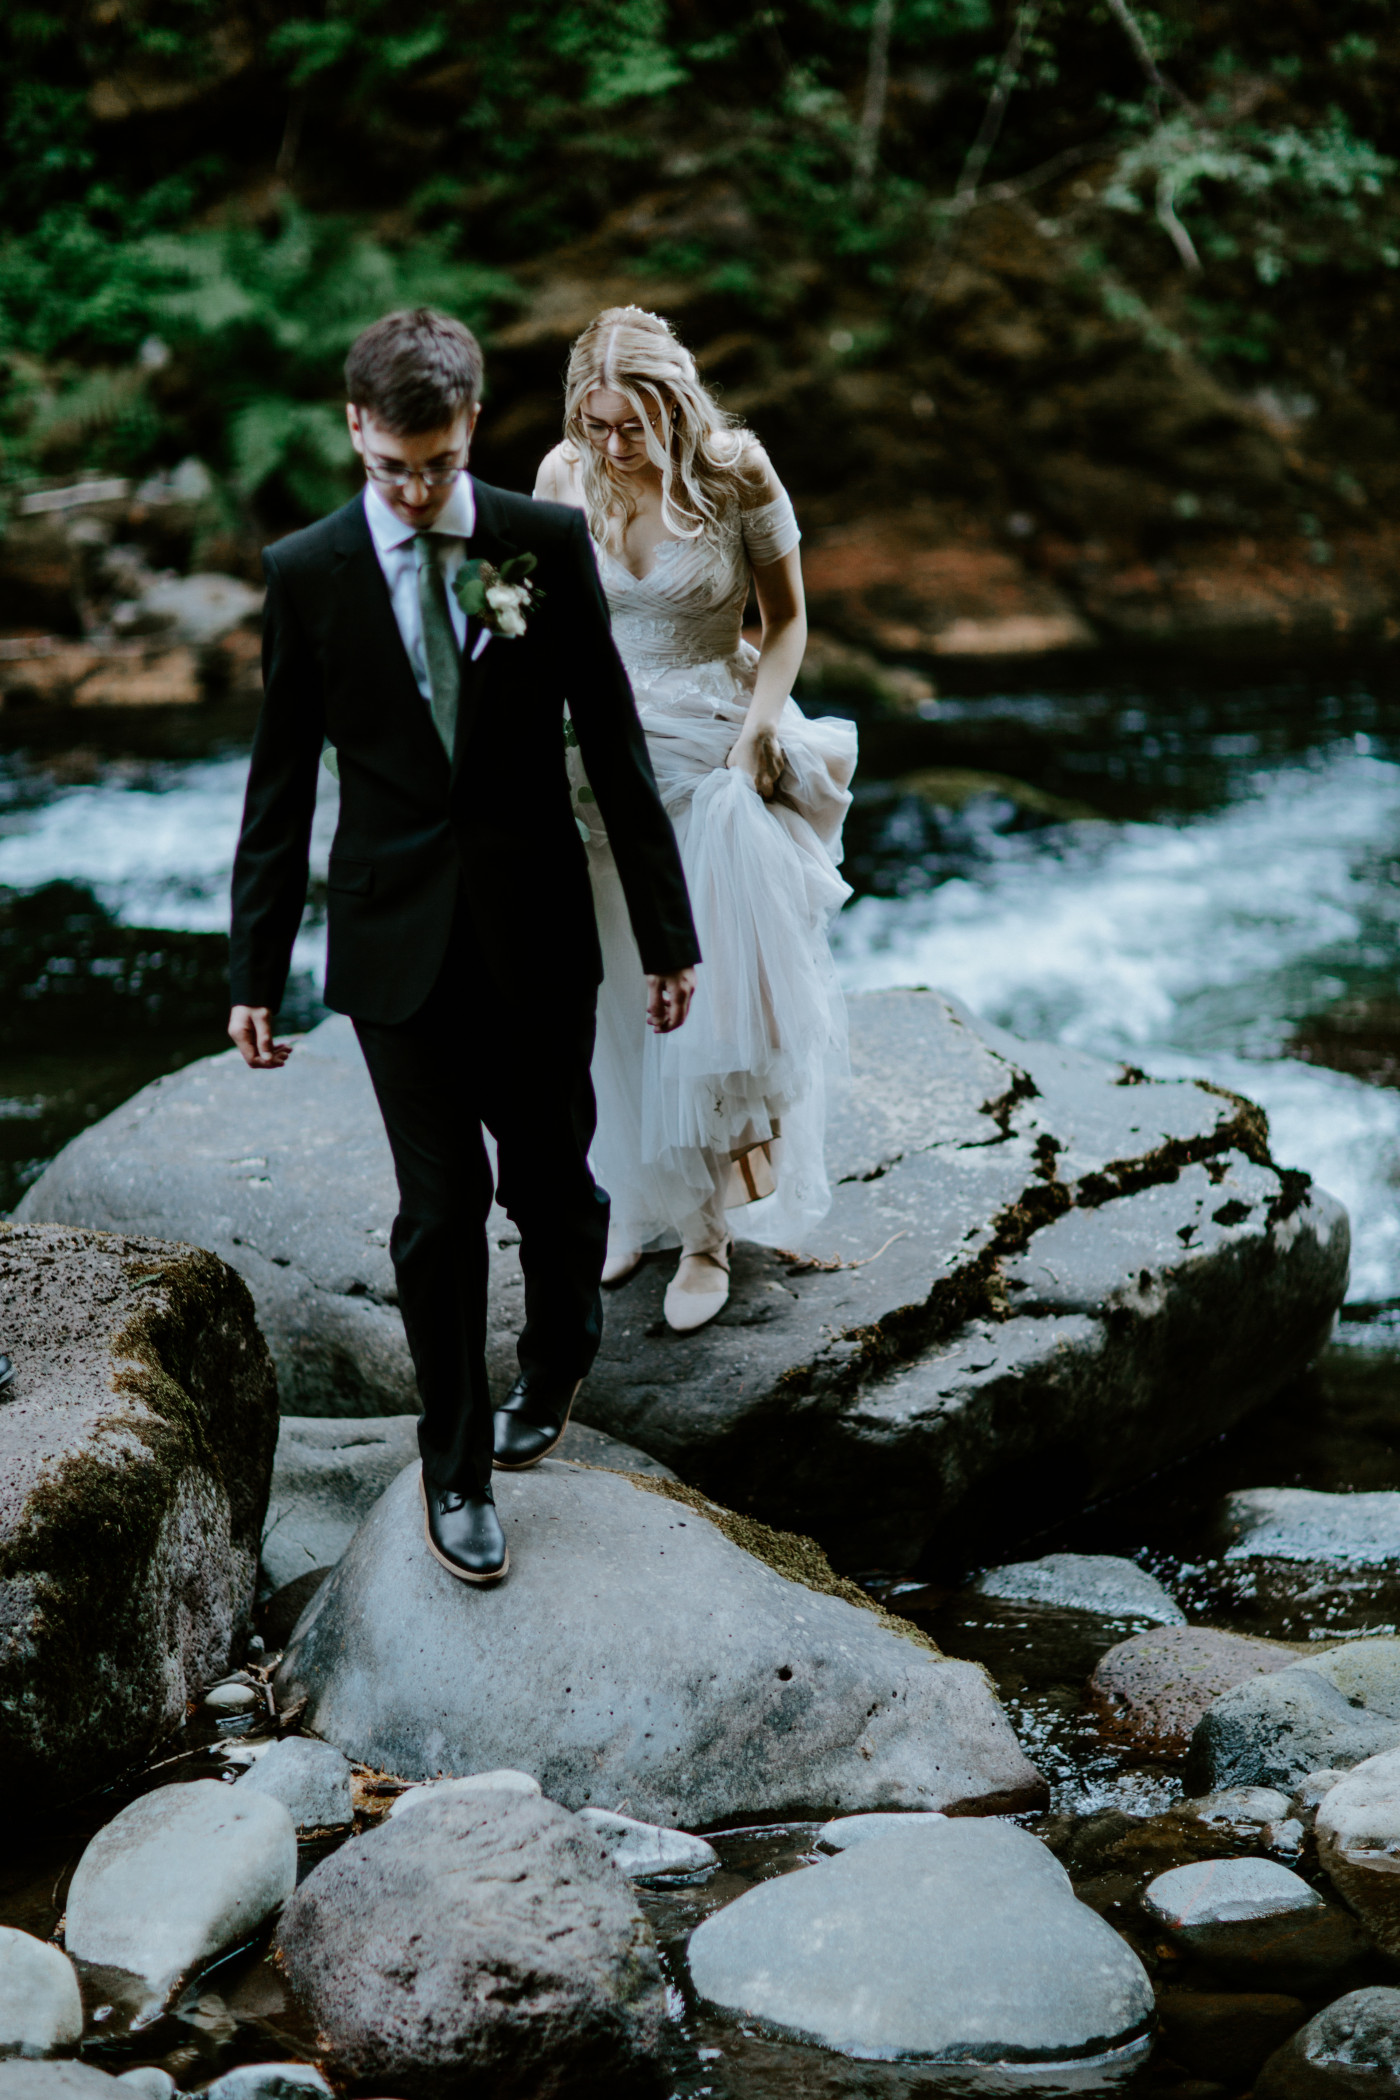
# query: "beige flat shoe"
{"type": "Point", "coordinates": [689, 1308]}
{"type": "Point", "coordinates": [618, 1267]}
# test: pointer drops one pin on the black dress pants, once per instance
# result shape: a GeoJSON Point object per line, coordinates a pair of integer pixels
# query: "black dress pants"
{"type": "Point", "coordinates": [467, 1057]}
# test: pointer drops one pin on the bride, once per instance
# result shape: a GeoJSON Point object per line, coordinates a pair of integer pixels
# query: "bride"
{"type": "Point", "coordinates": [729, 1111]}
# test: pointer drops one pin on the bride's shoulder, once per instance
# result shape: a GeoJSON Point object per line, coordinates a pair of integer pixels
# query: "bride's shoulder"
{"type": "Point", "coordinates": [558, 479]}
{"type": "Point", "coordinates": [757, 482]}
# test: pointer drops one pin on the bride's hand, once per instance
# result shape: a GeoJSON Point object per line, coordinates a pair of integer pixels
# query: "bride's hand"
{"type": "Point", "coordinates": [759, 754]}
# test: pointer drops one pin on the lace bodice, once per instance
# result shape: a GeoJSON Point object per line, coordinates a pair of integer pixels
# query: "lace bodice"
{"type": "Point", "coordinates": [689, 607]}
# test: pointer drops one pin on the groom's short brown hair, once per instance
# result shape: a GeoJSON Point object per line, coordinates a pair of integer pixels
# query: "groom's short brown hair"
{"type": "Point", "coordinates": [415, 370]}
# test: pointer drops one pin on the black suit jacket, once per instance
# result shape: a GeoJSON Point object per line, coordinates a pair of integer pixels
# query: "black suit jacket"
{"type": "Point", "coordinates": [495, 829]}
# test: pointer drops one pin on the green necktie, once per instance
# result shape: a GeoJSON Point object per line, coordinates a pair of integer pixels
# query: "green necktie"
{"type": "Point", "coordinates": [444, 658]}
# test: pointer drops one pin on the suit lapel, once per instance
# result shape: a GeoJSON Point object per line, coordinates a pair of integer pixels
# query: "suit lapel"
{"type": "Point", "coordinates": [488, 542]}
{"type": "Point", "coordinates": [367, 615]}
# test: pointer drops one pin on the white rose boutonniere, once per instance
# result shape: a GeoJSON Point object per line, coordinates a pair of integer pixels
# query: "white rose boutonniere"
{"type": "Point", "coordinates": [502, 599]}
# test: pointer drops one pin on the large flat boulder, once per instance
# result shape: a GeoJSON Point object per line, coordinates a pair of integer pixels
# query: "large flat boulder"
{"type": "Point", "coordinates": [135, 1451]}
{"type": "Point", "coordinates": [964, 1944]}
{"type": "Point", "coordinates": [640, 1658]}
{"type": "Point", "coordinates": [1041, 1278]}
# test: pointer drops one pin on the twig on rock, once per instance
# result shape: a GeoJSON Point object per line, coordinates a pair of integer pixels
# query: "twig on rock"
{"type": "Point", "coordinates": [804, 1264]}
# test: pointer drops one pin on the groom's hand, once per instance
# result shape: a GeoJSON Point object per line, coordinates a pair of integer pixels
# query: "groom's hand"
{"type": "Point", "coordinates": [251, 1029]}
{"type": "Point", "coordinates": [668, 999]}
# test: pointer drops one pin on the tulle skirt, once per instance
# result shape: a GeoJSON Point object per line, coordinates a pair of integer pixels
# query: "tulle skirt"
{"type": "Point", "coordinates": [731, 1108]}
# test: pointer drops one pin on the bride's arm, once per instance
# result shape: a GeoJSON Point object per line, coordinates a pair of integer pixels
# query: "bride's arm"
{"type": "Point", "coordinates": [783, 610]}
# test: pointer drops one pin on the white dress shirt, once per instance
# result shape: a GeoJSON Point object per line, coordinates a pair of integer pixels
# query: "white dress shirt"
{"type": "Point", "coordinates": [393, 543]}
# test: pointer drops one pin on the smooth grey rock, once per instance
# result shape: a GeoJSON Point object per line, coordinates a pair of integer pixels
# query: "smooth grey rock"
{"type": "Point", "coordinates": [41, 2006]}
{"type": "Point", "coordinates": [647, 1850]}
{"type": "Point", "coordinates": [1273, 1730]}
{"type": "Point", "coordinates": [844, 1831]}
{"type": "Point", "coordinates": [1256, 1918]}
{"type": "Point", "coordinates": [135, 1449]}
{"type": "Point", "coordinates": [637, 1656]}
{"type": "Point", "coordinates": [1167, 1301]}
{"type": "Point", "coordinates": [270, 2082]}
{"type": "Point", "coordinates": [1302, 1524]}
{"type": "Point", "coordinates": [1239, 1806]}
{"type": "Point", "coordinates": [149, 2081]}
{"type": "Point", "coordinates": [477, 1944]}
{"type": "Point", "coordinates": [59, 2079]}
{"type": "Point", "coordinates": [328, 1475]}
{"type": "Point", "coordinates": [1097, 1582]}
{"type": "Point", "coordinates": [182, 1875]}
{"type": "Point", "coordinates": [967, 1947]}
{"type": "Point", "coordinates": [1358, 1843]}
{"type": "Point", "coordinates": [1310, 1792]}
{"type": "Point", "coordinates": [502, 1782]}
{"type": "Point", "coordinates": [1348, 2051]}
{"type": "Point", "coordinates": [199, 609]}
{"type": "Point", "coordinates": [310, 1779]}
{"type": "Point", "coordinates": [230, 1698]}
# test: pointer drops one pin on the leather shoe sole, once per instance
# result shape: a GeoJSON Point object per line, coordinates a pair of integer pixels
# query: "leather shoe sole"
{"type": "Point", "coordinates": [454, 1567]}
{"type": "Point", "coordinates": [523, 1465]}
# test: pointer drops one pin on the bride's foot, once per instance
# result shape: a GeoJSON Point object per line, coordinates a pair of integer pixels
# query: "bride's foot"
{"type": "Point", "coordinates": [699, 1289]}
{"type": "Point", "coordinates": [621, 1263]}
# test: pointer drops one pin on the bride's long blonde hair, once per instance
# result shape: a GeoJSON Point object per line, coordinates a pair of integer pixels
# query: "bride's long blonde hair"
{"type": "Point", "coordinates": [637, 354]}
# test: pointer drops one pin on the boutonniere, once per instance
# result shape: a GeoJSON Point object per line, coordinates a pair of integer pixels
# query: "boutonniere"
{"type": "Point", "coordinates": [502, 599]}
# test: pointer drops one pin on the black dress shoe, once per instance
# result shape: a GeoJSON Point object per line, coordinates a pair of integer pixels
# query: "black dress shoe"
{"type": "Point", "coordinates": [464, 1534]}
{"type": "Point", "coordinates": [532, 1418]}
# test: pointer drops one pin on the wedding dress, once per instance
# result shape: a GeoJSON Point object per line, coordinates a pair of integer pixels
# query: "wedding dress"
{"type": "Point", "coordinates": [731, 1108]}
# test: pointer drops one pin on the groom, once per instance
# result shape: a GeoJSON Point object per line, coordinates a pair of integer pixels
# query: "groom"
{"type": "Point", "coordinates": [462, 939]}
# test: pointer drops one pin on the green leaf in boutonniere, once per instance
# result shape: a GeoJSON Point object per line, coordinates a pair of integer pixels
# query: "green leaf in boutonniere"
{"type": "Point", "coordinates": [501, 598]}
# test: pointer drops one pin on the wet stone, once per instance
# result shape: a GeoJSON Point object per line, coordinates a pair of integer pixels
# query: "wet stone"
{"type": "Point", "coordinates": [1255, 1918]}
{"type": "Point", "coordinates": [147, 2082]}
{"type": "Point", "coordinates": [270, 2082]}
{"type": "Point", "coordinates": [504, 1781]}
{"type": "Point", "coordinates": [181, 1876]}
{"type": "Point", "coordinates": [968, 1946]}
{"type": "Point", "coordinates": [1358, 1842]}
{"type": "Point", "coordinates": [1092, 1582]}
{"type": "Point", "coordinates": [640, 1659]}
{"type": "Point", "coordinates": [485, 1943]}
{"type": "Point", "coordinates": [310, 1779]}
{"type": "Point", "coordinates": [1152, 1689]}
{"type": "Point", "coordinates": [59, 2079]}
{"type": "Point", "coordinates": [1226, 2035]}
{"type": "Point", "coordinates": [844, 1831]}
{"type": "Point", "coordinates": [646, 1850]}
{"type": "Point", "coordinates": [1274, 1730]}
{"type": "Point", "coordinates": [41, 2006]}
{"type": "Point", "coordinates": [1348, 2051]}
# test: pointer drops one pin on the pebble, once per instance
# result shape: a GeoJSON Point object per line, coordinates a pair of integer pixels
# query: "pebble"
{"type": "Point", "coordinates": [270, 2082]}
{"type": "Point", "coordinates": [1252, 1814]}
{"type": "Point", "coordinates": [1349, 2049]}
{"type": "Point", "coordinates": [182, 1875]}
{"type": "Point", "coordinates": [1358, 1843]}
{"type": "Point", "coordinates": [844, 1831]}
{"type": "Point", "coordinates": [1097, 1582]}
{"type": "Point", "coordinates": [641, 1850]}
{"type": "Point", "coordinates": [503, 1782]}
{"type": "Point", "coordinates": [969, 1946]}
{"type": "Point", "coordinates": [150, 2081]}
{"type": "Point", "coordinates": [1254, 1917]}
{"type": "Point", "coordinates": [231, 1698]}
{"type": "Point", "coordinates": [310, 1779]}
{"type": "Point", "coordinates": [41, 2006]}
